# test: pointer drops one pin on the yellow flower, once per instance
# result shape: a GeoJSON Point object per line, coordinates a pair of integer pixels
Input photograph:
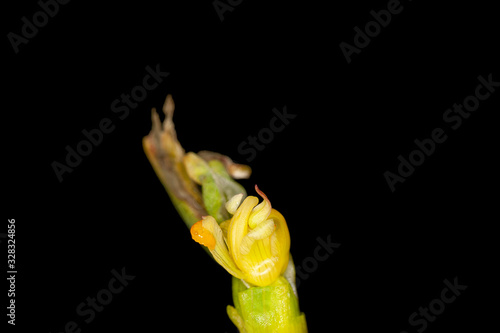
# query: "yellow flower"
{"type": "Point", "coordinates": [253, 245]}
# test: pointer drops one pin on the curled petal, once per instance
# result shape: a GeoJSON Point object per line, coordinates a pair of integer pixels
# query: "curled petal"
{"type": "Point", "coordinates": [238, 227]}
{"type": "Point", "coordinates": [263, 230]}
{"type": "Point", "coordinates": [261, 211]}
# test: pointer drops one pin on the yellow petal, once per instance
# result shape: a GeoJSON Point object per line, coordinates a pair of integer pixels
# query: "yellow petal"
{"type": "Point", "coordinates": [260, 249]}
{"type": "Point", "coordinates": [260, 266]}
{"type": "Point", "coordinates": [268, 257]}
{"type": "Point", "coordinates": [281, 244]}
{"type": "Point", "coordinates": [224, 226]}
{"type": "Point", "coordinates": [263, 230]}
{"type": "Point", "coordinates": [212, 235]}
{"type": "Point", "coordinates": [238, 227]}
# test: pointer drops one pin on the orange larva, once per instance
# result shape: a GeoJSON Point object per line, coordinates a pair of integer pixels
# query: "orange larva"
{"type": "Point", "coordinates": [202, 235]}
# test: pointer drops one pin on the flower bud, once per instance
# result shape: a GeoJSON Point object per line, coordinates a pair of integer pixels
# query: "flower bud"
{"type": "Point", "coordinates": [257, 243]}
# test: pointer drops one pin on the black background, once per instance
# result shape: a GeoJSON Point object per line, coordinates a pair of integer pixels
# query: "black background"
{"type": "Point", "coordinates": [324, 171]}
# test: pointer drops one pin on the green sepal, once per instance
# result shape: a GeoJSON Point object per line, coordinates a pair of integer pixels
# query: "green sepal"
{"type": "Point", "coordinates": [270, 309]}
{"type": "Point", "coordinates": [217, 186]}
